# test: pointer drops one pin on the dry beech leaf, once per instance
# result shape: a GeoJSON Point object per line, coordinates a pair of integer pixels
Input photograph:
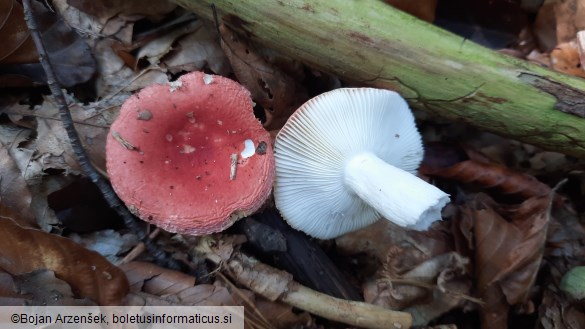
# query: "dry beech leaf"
{"type": "Point", "coordinates": [89, 274]}
{"type": "Point", "coordinates": [105, 10]}
{"type": "Point", "coordinates": [69, 54]}
{"type": "Point", "coordinates": [557, 312]}
{"type": "Point", "coordinates": [52, 147]}
{"type": "Point", "coordinates": [544, 27]}
{"type": "Point", "coordinates": [276, 91]}
{"type": "Point", "coordinates": [149, 280]}
{"type": "Point", "coordinates": [565, 58]}
{"type": "Point", "coordinates": [479, 172]}
{"type": "Point", "coordinates": [395, 291]}
{"type": "Point", "coordinates": [423, 9]}
{"type": "Point", "coordinates": [384, 237]}
{"type": "Point", "coordinates": [281, 315]}
{"type": "Point", "coordinates": [196, 51]}
{"type": "Point", "coordinates": [14, 193]}
{"type": "Point", "coordinates": [570, 18]}
{"type": "Point", "coordinates": [156, 280]}
{"type": "Point", "coordinates": [17, 45]}
{"type": "Point", "coordinates": [508, 244]}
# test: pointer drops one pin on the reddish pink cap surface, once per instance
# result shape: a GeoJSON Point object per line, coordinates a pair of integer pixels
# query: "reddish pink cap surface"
{"type": "Point", "coordinates": [171, 150]}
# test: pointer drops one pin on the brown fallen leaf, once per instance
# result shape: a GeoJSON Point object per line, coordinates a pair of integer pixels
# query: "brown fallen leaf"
{"type": "Point", "coordinates": [17, 45]}
{"type": "Point", "coordinates": [69, 53]}
{"type": "Point", "coordinates": [508, 245]}
{"type": "Point", "coordinates": [570, 18]}
{"type": "Point", "coordinates": [423, 9]}
{"type": "Point", "coordinates": [148, 279]}
{"type": "Point", "coordinates": [428, 290]}
{"type": "Point", "coordinates": [276, 91]}
{"type": "Point", "coordinates": [156, 280]}
{"type": "Point", "coordinates": [14, 193]}
{"type": "Point", "coordinates": [556, 312]}
{"type": "Point", "coordinates": [446, 161]}
{"type": "Point", "coordinates": [196, 51]}
{"type": "Point", "coordinates": [106, 10]}
{"type": "Point", "coordinates": [419, 269]}
{"type": "Point", "coordinates": [51, 147]}
{"type": "Point", "coordinates": [565, 58]}
{"type": "Point", "coordinates": [544, 27]}
{"type": "Point", "coordinates": [154, 285]}
{"type": "Point", "coordinates": [383, 238]}
{"type": "Point", "coordinates": [90, 275]}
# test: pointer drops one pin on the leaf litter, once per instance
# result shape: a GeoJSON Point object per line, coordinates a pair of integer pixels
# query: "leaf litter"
{"type": "Point", "coordinates": [499, 255]}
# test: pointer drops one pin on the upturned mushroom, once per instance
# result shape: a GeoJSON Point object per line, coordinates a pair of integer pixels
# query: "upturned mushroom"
{"type": "Point", "coordinates": [347, 158]}
{"type": "Point", "coordinates": [190, 156]}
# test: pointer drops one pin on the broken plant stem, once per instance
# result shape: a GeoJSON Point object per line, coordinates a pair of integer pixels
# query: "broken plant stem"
{"type": "Point", "coordinates": [429, 286]}
{"type": "Point", "coordinates": [275, 284]}
{"type": "Point", "coordinates": [80, 153]}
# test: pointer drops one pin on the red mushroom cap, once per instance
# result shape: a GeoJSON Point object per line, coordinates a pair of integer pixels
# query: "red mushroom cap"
{"type": "Point", "coordinates": [172, 152]}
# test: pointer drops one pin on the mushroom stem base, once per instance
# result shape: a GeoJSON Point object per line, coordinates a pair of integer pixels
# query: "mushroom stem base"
{"type": "Point", "coordinates": [397, 195]}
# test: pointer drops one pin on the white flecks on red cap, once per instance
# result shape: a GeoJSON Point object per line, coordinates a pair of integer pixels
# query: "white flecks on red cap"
{"type": "Point", "coordinates": [179, 175]}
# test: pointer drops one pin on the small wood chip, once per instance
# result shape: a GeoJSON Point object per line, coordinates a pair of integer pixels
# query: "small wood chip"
{"type": "Point", "coordinates": [123, 142]}
{"type": "Point", "coordinates": [234, 163]}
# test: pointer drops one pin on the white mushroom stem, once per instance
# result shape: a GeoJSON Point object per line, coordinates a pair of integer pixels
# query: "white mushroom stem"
{"type": "Point", "coordinates": [397, 195]}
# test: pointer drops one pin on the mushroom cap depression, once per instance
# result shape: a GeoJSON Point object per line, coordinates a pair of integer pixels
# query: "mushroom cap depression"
{"type": "Point", "coordinates": [314, 147]}
{"type": "Point", "coordinates": [189, 156]}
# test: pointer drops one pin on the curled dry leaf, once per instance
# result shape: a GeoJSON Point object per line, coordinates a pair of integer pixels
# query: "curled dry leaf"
{"type": "Point", "coordinates": [90, 275]}
{"type": "Point", "coordinates": [419, 269]}
{"type": "Point", "coordinates": [479, 172]}
{"type": "Point", "coordinates": [51, 147]}
{"type": "Point", "coordinates": [14, 193]}
{"type": "Point", "coordinates": [196, 51]}
{"type": "Point", "coordinates": [508, 245]}
{"type": "Point", "coordinates": [420, 285]}
{"type": "Point", "coordinates": [154, 285]}
{"type": "Point", "coordinates": [565, 58]}
{"type": "Point", "coordinates": [276, 91]}
{"type": "Point", "coordinates": [383, 239]}
{"type": "Point", "coordinates": [149, 280]}
{"type": "Point", "coordinates": [156, 280]}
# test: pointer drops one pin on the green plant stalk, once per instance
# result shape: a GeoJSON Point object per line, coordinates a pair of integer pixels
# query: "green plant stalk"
{"type": "Point", "coordinates": [370, 43]}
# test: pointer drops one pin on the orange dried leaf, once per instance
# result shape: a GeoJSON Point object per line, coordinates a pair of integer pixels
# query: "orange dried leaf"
{"type": "Point", "coordinates": [90, 275]}
{"type": "Point", "coordinates": [565, 58]}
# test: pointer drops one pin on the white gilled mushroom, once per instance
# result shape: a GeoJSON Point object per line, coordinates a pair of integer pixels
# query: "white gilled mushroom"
{"type": "Point", "coordinates": [347, 158]}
